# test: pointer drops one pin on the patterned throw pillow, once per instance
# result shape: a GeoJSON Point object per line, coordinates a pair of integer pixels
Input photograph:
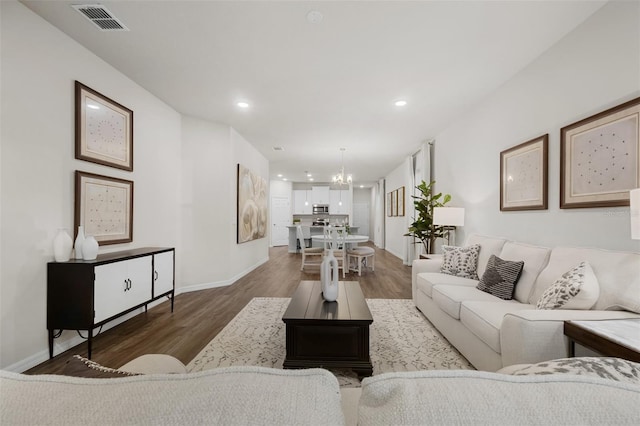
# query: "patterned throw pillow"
{"type": "Point", "coordinates": [500, 277]}
{"type": "Point", "coordinates": [461, 261]}
{"type": "Point", "coordinates": [576, 289]}
{"type": "Point", "coordinates": [78, 366]}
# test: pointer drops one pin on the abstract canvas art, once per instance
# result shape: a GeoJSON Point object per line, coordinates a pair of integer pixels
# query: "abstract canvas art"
{"type": "Point", "coordinates": [252, 205]}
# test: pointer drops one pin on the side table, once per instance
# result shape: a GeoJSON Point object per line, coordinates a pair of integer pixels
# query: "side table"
{"type": "Point", "coordinates": [617, 338]}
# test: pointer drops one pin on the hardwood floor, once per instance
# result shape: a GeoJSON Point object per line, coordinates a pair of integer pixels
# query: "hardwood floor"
{"type": "Point", "coordinates": [199, 316]}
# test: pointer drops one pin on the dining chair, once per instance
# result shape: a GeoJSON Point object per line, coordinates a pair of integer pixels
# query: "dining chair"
{"type": "Point", "coordinates": [311, 256]}
{"type": "Point", "coordinates": [335, 239]}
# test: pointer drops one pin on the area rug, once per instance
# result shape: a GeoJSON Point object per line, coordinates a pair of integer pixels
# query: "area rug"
{"type": "Point", "coordinates": [401, 339]}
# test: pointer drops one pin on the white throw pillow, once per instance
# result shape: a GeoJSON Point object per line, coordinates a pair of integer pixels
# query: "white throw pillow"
{"type": "Point", "coordinates": [461, 261]}
{"type": "Point", "coordinates": [576, 289]}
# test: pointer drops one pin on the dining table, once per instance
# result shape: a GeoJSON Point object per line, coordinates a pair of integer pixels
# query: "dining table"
{"type": "Point", "coordinates": [350, 240]}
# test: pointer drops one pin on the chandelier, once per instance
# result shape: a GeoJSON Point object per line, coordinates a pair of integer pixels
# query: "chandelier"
{"type": "Point", "coordinates": [341, 178]}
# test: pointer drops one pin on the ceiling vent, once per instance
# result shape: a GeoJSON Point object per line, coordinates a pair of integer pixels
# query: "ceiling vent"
{"type": "Point", "coordinates": [278, 148]}
{"type": "Point", "coordinates": [100, 17]}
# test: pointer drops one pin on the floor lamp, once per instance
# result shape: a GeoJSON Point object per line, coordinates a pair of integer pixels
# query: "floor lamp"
{"type": "Point", "coordinates": [449, 218]}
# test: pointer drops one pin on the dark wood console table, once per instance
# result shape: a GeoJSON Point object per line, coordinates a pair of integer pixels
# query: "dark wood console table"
{"type": "Point", "coordinates": [617, 338]}
{"type": "Point", "coordinates": [328, 334]}
{"type": "Point", "coordinates": [84, 294]}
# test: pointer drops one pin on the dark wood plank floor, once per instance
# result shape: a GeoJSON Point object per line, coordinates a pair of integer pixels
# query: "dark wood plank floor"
{"type": "Point", "coordinates": [199, 316]}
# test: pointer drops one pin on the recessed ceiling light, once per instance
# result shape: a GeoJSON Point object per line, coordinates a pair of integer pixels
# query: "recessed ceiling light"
{"type": "Point", "coordinates": [284, 179]}
{"type": "Point", "coordinates": [400, 103]}
{"type": "Point", "coordinates": [314, 17]}
{"type": "Point", "coordinates": [309, 175]}
{"type": "Point", "coordinates": [361, 186]}
{"type": "Point", "coordinates": [279, 175]}
{"type": "Point", "coordinates": [311, 179]}
{"type": "Point", "coordinates": [243, 104]}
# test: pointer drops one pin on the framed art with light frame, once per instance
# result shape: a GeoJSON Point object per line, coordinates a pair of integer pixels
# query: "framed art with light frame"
{"type": "Point", "coordinates": [104, 129]}
{"type": "Point", "coordinates": [524, 172]}
{"type": "Point", "coordinates": [104, 207]}
{"type": "Point", "coordinates": [400, 201]}
{"type": "Point", "coordinates": [600, 158]}
{"type": "Point", "coordinates": [389, 205]}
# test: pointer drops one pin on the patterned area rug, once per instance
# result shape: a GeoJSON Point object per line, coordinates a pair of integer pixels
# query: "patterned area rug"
{"type": "Point", "coordinates": [401, 339]}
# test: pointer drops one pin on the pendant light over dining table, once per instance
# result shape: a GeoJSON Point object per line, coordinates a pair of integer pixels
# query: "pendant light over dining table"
{"type": "Point", "coordinates": [341, 178]}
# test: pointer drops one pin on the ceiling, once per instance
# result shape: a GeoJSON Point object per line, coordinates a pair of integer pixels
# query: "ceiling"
{"type": "Point", "coordinates": [314, 88]}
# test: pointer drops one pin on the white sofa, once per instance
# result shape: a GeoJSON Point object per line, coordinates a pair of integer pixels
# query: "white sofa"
{"type": "Point", "coordinates": [263, 396]}
{"type": "Point", "coordinates": [493, 333]}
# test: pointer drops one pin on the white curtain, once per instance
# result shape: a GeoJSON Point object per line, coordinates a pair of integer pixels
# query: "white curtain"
{"type": "Point", "coordinates": [408, 251]}
{"type": "Point", "coordinates": [421, 172]}
{"type": "Point", "coordinates": [378, 231]}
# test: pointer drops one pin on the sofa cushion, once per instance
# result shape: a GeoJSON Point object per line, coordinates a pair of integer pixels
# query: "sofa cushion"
{"type": "Point", "coordinates": [617, 274]}
{"type": "Point", "coordinates": [500, 277]}
{"type": "Point", "coordinates": [426, 281]}
{"type": "Point", "coordinates": [484, 319]}
{"type": "Point", "coordinates": [459, 397]}
{"type": "Point", "coordinates": [449, 297]}
{"type": "Point", "coordinates": [575, 289]}
{"type": "Point", "coordinates": [461, 261]}
{"type": "Point", "coordinates": [222, 396]}
{"type": "Point", "coordinates": [535, 258]}
{"type": "Point", "coordinates": [488, 246]}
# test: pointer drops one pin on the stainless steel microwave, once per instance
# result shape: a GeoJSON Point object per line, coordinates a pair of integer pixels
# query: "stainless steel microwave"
{"type": "Point", "coordinates": [320, 208]}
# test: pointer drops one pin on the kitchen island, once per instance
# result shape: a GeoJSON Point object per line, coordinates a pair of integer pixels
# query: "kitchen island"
{"type": "Point", "coordinates": [315, 230]}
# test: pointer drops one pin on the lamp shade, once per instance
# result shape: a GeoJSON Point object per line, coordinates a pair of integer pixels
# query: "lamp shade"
{"type": "Point", "coordinates": [634, 197]}
{"type": "Point", "coordinates": [448, 216]}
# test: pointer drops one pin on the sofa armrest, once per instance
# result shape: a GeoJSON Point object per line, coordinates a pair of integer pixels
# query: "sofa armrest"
{"type": "Point", "coordinates": [532, 336]}
{"type": "Point", "coordinates": [419, 266]}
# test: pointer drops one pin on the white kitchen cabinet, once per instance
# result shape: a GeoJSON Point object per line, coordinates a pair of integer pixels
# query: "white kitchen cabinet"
{"type": "Point", "coordinates": [301, 196]}
{"type": "Point", "coordinates": [335, 197]}
{"type": "Point", "coordinates": [320, 194]}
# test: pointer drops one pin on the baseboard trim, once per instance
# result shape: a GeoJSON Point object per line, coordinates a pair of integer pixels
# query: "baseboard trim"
{"type": "Point", "coordinates": [225, 283]}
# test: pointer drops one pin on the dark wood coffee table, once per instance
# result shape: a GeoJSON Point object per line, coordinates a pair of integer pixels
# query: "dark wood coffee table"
{"type": "Point", "coordinates": [328, 334]}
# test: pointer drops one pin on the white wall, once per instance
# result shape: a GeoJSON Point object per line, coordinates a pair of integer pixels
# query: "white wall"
{"type": "Point", "coordinates": [595, 67]}
{"type": "Point", "coordinates": [396, 226]}
{"type": "Point", "coordinates": [184, 179]}
{"type": "Point", "coordinates": [363, 196]}
{"type": "Point", "coordinates": [39, 66]}
{"type": "Point", "coordinates": [206, 199]}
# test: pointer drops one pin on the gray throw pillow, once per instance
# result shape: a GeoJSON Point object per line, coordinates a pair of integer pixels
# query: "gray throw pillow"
{"type": "Point", "coordinates": [461, 261]}
{"type": "Point", "coordinates": [500, 277]}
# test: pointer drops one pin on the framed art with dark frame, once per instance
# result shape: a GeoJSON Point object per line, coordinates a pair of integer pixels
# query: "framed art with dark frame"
{"type": "Point", "coordinates": [600, 158]}
{"type": "Point", "coordinates": [104, 207]}
{"type": "Point", "coordinates": [104, 129]}
{"type": "Point", "coordinates": [524, 173]}
{"type": "Point", "coordinates": [394, 202]}
{"type": "Point", "coordinates": [400, 201]}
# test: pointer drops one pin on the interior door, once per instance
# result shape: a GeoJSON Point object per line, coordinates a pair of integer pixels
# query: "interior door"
{"type": "Point", "coordinates": [361, 213]}
{"type": "Point", "coordinates": [281, 218]}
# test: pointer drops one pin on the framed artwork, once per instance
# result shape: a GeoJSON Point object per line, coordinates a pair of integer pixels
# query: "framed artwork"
{"type": "Point", "coordinates": [401, 201]}
{"type": "Point", "coordinates": [252, 205]}
{"type": "Point", "coordinates": [389, 205]}
{"type": "Point", "coordinates": [600, 157]}
{"type": "Point", "coordinates": [524, 175]}
{"type": "Point", "coordinates": [394, 203]}
{"type": "Point", "coordinates": [104, 207]}
{"type": "Point", "coordinates": [104, 130]}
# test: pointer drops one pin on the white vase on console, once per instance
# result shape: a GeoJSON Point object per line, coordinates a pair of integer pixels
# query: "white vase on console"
{"type": "Point", "coordinates": [89, 248]}
{"type": "Point", "coordinates": [79, 241]}
{"type": "Point", "coordinates": [329, 277]}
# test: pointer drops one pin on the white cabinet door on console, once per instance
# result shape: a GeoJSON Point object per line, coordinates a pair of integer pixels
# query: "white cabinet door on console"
{"type": "Point", "coordinates": [162, 273]}
{"type": "Point", "coordinates": [120, 286]}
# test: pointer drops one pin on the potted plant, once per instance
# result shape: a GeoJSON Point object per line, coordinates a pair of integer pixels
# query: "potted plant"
{"type": "Point", "coordinates": [422, 228]}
